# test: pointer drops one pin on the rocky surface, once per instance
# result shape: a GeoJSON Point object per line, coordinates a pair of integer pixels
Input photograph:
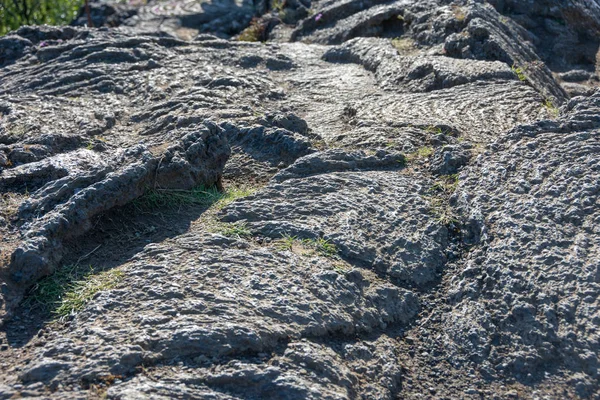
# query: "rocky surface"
{"type": "Point", "coordinates": [424, 222]}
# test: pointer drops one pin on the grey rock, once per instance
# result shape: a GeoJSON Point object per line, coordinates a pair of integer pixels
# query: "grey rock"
{"type": "Point", "coordinates": [13, 47]}
{"type": "Point", "coordinates": [356, 209]}
{"type": "Point", "coordinates": [222, 18]}
{"type": "Point", "coordinates": [360, 272]}
{"type": "Point", "coordinates": [465, 30]}
{"type": "Point", "coordinates": [448, 160]}
{"type": "Point", "coordinates": [43, 370]}
{"type": "Point", "coordinates": [538, 195]}
{"type": "Point", "coordinates": [215, 325]}
{"type": "Point", "coordinates": [577, 75]}
{"type": "Point", "coordinates": [419, 73]}
{"type": "Point", "coordinates": [86, 160]}
{"type": "Point", "coordinates": [64, 208]}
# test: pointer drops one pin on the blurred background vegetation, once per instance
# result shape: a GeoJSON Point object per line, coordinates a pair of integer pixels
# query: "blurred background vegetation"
{"type": "Point", "coordinates": [14, 13]}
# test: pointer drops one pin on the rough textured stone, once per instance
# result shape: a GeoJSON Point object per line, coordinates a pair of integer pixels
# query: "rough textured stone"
{"type": "Point", "coordinates": [534, 273]}
{"type": "Point", "coordinates": [424, 220]}
{"type": "Point", "coordinates": [377, 219]}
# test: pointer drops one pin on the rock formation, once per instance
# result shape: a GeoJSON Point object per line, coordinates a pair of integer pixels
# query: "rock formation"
{"type": "Point", "coordinates": [425, 221]}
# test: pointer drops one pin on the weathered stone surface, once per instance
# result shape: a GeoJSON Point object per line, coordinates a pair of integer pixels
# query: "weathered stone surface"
{"type": "Point", "coordinates": [223, 18]}
{"type": "Point", "coordinates": [358, 212]}
{"type": "Point", "coordinates": [282, 376]}
{"type": "Point", "coordinates": [115, 131]}
{"type": "Point", "coordinates": [425, 221]}
{"type": "Point", "coordinates": [461, 30]}
{"type": "Point", "coordinates": [534, 274]}
{"type": "Point", "coordinates": [449, 159]}
{"type": "Point", "coordinates": [218, 302]}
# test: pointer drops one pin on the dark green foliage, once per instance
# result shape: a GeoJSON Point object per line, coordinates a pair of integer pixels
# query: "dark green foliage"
{"type": "Point", "coordinates": [14, 13]}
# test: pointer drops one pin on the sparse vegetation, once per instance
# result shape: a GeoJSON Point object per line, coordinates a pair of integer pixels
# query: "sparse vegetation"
{"type": "Point", "coordinates": [16, 130]}
{"type": "Point", "coordinates": [9, 203]}
{"type": "Point", "coordinates": [286, 243]}
{"type": "Point", "coordinates": [277, 5]}
{"type": "Point", "coordinates": [339, 268]}
{"type": "Point", "coordinates": [71, 287]}
{"type": "Point", "coordinates": [520, 72]}
{"type": "Point", "coordinates": [434, 130]}
{"type": "Point", "coordinates": [15, 13]}
{"type": "Point", "coordinates": [458, 13]}
{"type": "Point", "coordinates": [318, 246]}
{"type": "Point", "coordinates": [320, 144]}
{"type": "Point", "coordinates": [255, 32]}
{"type": "Point", "coordinates": [235, 229]}
{"type": "Point", "coordinates": [441, 191]}
{"type": "Point", "coordinates": [205, 197]}
{"type": "Point", "coordinates": [321, 246]}
{"type": "Point", "coordinates": [404, 45]}
{"type": "Point", "coordinates": [552, 109]}
{"type": "Point", "coordinates": [420, 153]}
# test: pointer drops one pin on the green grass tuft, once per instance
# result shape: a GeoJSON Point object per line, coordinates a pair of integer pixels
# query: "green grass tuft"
{"type": "Point", "coordinates": [552, 109]}
{"type": "Point", "coordinates": [321, 246]}
{"type": "Point", "coordinates": [70, 288]}
{"type": "Point", "coordinates": [434, 130]}
{"type": "Point", "coordinates": [421, 153]}
{"type": "Point", "coordinates": [441, 191]}
{"type": "Point", "coordinates": [201, 196]}
{"type": "Point", "coordinates": [318, 246]}
{"type": "Point", "coordinates": [286, 243]}
{"type": "Point", "coordinates": [520, 72]}
{"type": "Point", "coordinates": [236, 229]}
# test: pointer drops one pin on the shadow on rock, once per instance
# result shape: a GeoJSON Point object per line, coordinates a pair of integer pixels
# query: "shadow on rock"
{"type": "Point", "coordinates": [117, 237]}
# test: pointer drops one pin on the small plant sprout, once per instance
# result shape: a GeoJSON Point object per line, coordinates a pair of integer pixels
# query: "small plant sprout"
{"type": "Point", "coordinates": [552, 109]}
{"type": "Point", "coordinates": [286, 243]}
{"type": "Point", "coordinates": [236, 229]}
{"type": "Point", "coordinates": [520, 72]}
{"type": "Point", "coordinates": [318, 246]}
{"type": "Point", "coordinates": [404, 45]}
{"type": "Point", "coordinates": [459, 13]}
{"type": "Point", "coordinates": [420, 153]}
